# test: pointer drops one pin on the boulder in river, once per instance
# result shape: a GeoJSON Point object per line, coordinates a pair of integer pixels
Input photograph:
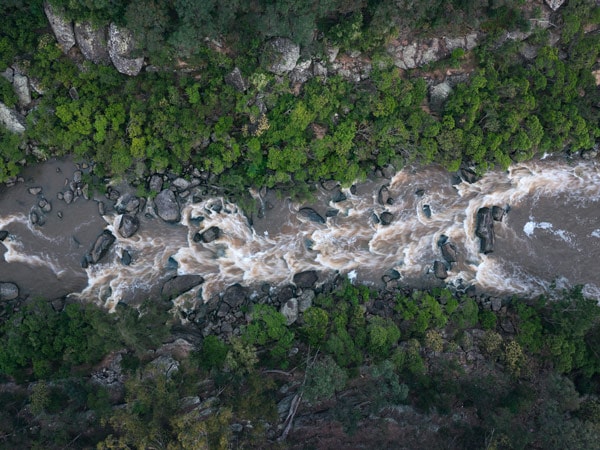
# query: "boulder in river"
{"type": "Point", "coordinates": [468, 175]}
{"type": "Point", "coordinates": [126, 258]}
{"type": "Point", "coordinates": [167, 207]}
{"type": "Point", "coordinates": [384, 195]}
{"type": "Point", "coordinates": [101, 246]}
{"type": "Point", "coordinates": [485, 230]}
{"type": "Point", "coordinates": [212, 234]}
{"type": "Point", "coordinates": [449, 251]}
{"type": "Point", "coordinates": [129, 225]}
{"type": "Point", "coordinates": [8, 291]}
{"type": "Point", "coordinates": [498, 213]}
{"type": "Point", "coordinates": [180, 284]}
{"type": "Point", "coordinates": [305, 280]}
{"type": "Point", "coordinates": [3, 235]}
{"type": "Point", "coordinates": [386, 218]}
{"type": "Point", "coordinates": [440, 270]}
{"type": "Point", "coordinates": [311, 214]}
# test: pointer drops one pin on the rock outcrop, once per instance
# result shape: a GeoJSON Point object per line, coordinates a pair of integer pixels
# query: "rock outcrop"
{"type": "Point", "coordinates": [554, 4]}
{"type": "Point", "coordinates": [280, 55]}
{"type": "Point", "coordinates": [11, 120]}
{"type": "Point", "coordinates": [21, 87]}
{"type": "Point", "coordinates": [120, 46]}
{"type": "Point", "coordinates": [167, 207]}
{"type": "Point", "coordinates": [236, 80]}
{"type": "Point", "coordinates": [410, 55]}
{"type": "Point", "coordinates": [92, 42]}
{"type": "Point", "coordinates": [62, 28]}
{"type": "Point", "coordinates": [311, 214]}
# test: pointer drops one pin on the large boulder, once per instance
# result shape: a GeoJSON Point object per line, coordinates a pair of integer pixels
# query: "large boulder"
{"type": "Point", "coordinates": [383, 196]}
{"type": "Point", "coordinates": [449, 252]}
{"type": "Point", "coordinates": [290, 311]}
{"type": "Point", "coordinates": [92, 42]}
{"type": "Point", "coordinates": [180, 284]}
{"type": "Point", "coordinates": [386, 218]}
{"type": "Point", "coordinates": [166, 206]}
{"type": "Point", "coordinates": [485, 230]}
{"type": "Point", "coordinates": [235, 295]}
{"type": "Point", "coordinates": [438, 95]}
{"type": "Point", "coordinates": [311, 214]}
{"type": "Point", "coordinates": [212, 234]}
{"type": "Point", "coordinates": [21, 87]}
{"type": "Point", "coordinates": [11, 120]}
{"type": "Point", "coordinates": [120, 46]}
{"type": "Point", "coordinates": [236, 80]}
{"type": "Point", "coordinates": [554, 4]}
{"type": "Point", "coordinates": [280, 55]}
{"type": "Point", "coordinates": [62, 28]}
{"type": "Point", "coordinates": [440, 270]}
{"type": "Point", "coordinates": [305, 280]}
{"type": "Point", "coordinates": [3, 234]}
{"type": "Point", "coordinates": [129, 225]}
{"type": "Point", "coordinates": [101, 246]}
{"type": "Point", "coordinates": [8, 291]}
{"type": "Point", "coordinates": [498, 213]}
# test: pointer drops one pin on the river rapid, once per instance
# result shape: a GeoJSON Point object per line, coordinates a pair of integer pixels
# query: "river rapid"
{"type": "Point", "coordinates": [549, 236]}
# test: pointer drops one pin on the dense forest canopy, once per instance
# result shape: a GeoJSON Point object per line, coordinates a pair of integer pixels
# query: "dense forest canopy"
{"type": "Point", "coordinates": [523, 374]}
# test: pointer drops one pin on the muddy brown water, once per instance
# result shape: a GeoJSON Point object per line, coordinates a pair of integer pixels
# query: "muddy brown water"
{"type": "Point", "coordinates": [551, 235]}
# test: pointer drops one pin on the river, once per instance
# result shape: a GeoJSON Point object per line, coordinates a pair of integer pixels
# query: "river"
{"type": "Point", "coordinates": [549, 236]}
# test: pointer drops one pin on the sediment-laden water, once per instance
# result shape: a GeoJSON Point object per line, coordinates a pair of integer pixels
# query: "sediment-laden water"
{"type": "Point", "coordinates": [550, 235]}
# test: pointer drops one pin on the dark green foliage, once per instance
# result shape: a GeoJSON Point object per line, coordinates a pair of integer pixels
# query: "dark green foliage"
{"type": "Point", "coordinates": [268, 326]}
{"type": "Point", "coordinates": [323, 378]}
{"type": "Point", "coordinates": [213, 353]}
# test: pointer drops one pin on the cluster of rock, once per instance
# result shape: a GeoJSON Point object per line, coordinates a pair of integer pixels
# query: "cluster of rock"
{"type": "Point", "coordinates": [450, 256]}
{"type": "Point", "coordinates": [8, 291]}
{"type": "Point", "coordinates": [224, 314]}
{"type": "Point", "coordinates": [14, 118]}
{"type": "Point", "coordinates": [484, 229]}
{"type": "Point", "coordinates": [99, 44]}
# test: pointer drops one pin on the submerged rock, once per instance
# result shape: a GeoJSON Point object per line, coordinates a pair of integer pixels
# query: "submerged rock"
{"type": "Point", "coordinates": [306, 279]}
{"type": "Point", "coordinates": [8, 291]}
{"type": "Point", "coordinates": [167, 207]}
{"type": "Point", "coordinates": [128, 226]}
{"type": "Point", "coordinates": [485, 230]}
{"type": "Point", "coordinates": [101, 246]}
{"type": "Point", "coordinates": [311, 214]}
{"type": "Point", "coordinates": [498, 213]}
{"type": "Point", "coordinates": [180, 284]}
{"type": "Point", "coordinates": [3, 234]}
{"type": "Point", "coordinates": [386, 218]}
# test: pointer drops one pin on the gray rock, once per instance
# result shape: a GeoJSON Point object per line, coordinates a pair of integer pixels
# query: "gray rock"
{"type": "Point", "coordinates": [280, 55]}
{"type": "Point", "coordinates": [485, 230]}
{"type": "Point", "coordinates": [236, 80]}
{"type": "Point", "coordinates": [127, 203]}
{"type": "Point", "coordinates": [155, 183]}
{"type": "Point", "coordinates": [383, 196]}
{"type": "Point", "coordinates": [3, 235]}
{"type": "Point", "coordinates": [181, 184]}
{"type": "Point", "coordinates": [129, 225]}
{"type": "Point", "coordinates": [92, 42]}
{"type": "Point", "coordinates": [126, 258]}
{"type": "Point", "coordinates": [180, 284]}
{"type": "Point", "coordinates": [62, 28]}
{"type": "Point", "coordinates": [305, 300]}
{"type": "Point", "coordinates": [8, 291]}
{"type": "Point", "coordinates": [21, 87]}
{"type": "Point", "coordinates": [427, 211]}
{"type": "Point", "coordinates": [235, 295]}
{"type": "Point", "coordinates": [213, 233]}
{"type": "Point", "coordinates": [101, 246]}
{"type": "Point", "coordinates": [101, 208]}
{"type": "Point", "coordinates": [77, 175]}
{"type": "Point", "coordinates": [166, 206]}
{"type": "Point", "coordinates": [166, 365]}
{"type": "Point", "coordinates": [311, 214]}
{"type": "Point", "coordinates": [11, 120]}
{"type": "Point", "coordinates": [319, 70]}
{"type": "Point", "coordinates": [120, 46]}
{"type": "Point", "coordinates": [34, 190]}
{"type": "Point", "coordinates": [438, 95]}
{"type": "Point", "coordinates": [386, 218]}
{"type": "Point", "coordinates": [45, 205]}
{"type": "Point", "coordinates": [468, 175]}
{"type": "Point", "coordinates": [496, 304]}
{"type": "Point", "coordinates": [8, 74]}
{"type": "Point", "coordinates": [68, 196]}
{"type": "Point", "coordinates": [306, 280]}
{"type": "Point", "coordinates": [330, 185]}
{"type": "Point", "coordinates": [554, 4]}
{"type": "Point", "coordinates": [449, 252]}
{"type": "Point", "coordinates": [440, 270]}
{"type": "Point", "coordinates": [498, 213]}
{"type": "Point", "coordinates": [290, 311]}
